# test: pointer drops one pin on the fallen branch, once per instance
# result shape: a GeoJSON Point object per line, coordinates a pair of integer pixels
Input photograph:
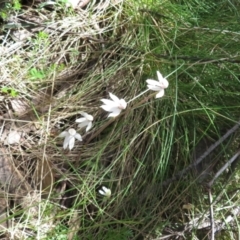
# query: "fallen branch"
{"type": "Point", "coordinates": [211, 213]}
{"type": "Point", "coordinates": [183, 172]}
{"type": "Point", "coordinates": [223, 169]}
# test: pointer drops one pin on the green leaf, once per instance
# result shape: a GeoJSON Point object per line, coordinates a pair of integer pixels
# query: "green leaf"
{"type": "Point", "coordinates": [36, 74]}
{"type": "Point", "coordinates": [10, 91]}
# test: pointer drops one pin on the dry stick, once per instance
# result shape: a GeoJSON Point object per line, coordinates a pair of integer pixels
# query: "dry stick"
{"type": "Point", "coordinates": [226, 165]}
{"type": "Point", "coordinates": [210, 184]}
{"type": "Point", "coordinates": [233, 216]}
{"type": "Point", "coordinates": [210, 149]}
{"type": "Point", "coordinates": [211, 213]}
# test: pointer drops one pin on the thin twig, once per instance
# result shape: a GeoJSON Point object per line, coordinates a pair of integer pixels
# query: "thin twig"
{"type": "Point", "coordinates": [223, 168]}
{"type": "Point", "coordinates": [211, 213]}
{"type": "Point", "coordinates": [204, 155]}
{"type": "Point", "coordinates": [234, 214]}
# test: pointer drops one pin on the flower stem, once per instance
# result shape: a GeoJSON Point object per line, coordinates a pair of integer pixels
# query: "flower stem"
{"type": "Point", "coordinates": [137, 96]}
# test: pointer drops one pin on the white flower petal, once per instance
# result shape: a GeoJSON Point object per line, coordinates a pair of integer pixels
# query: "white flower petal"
{"type": "Point", "coordinates": [115, 112]}
{"type": "Point", "coordinates": [114, 97]}
{"type": "Point", "coordinates": [123, 104]}
{"type": "Point", "coordinates": [89, 126]}
{"type": "Point", "coordinates": [86, 121]}
{"type": "Point", "coordinates": [63, 134]}
{"type": "Point", "coordinates": [154, 88]}
{"type": "Point", "coordinates": [66, 141]}
{"type": "Point", "coordinates": [71, 142]}
{"type": "Point", "coordinates": [108, 193]}
{"type": "Point", "coordinates": [104, 189]}
{"type": "Point", "coordinates": [115, 106]}
{"type": "Point", "coordinates": [153, 82]}
{"type": "Point", "coordinates": [83, 124]}
{"type": "Point", "coordinates": [69, 139]}
{"type": "Point", "coordinates": [78, 136]}
{"type": "Point", "coordinates": [72, 131]}
{"type": "Point", "coordinates": [163, 81]}
{"type": "Point", "coordinates": [84, 114]}
{"type": "Point", "coordinates": [160, 94]}
{"type": "Point", "coordinates": [101, 192]}
{"type": "Point", "coordinates": [87, 116]}
{"type": "Point", "coordinates": [109, 102]}
{"type": "Point", "coordinates": [79, 120]}
{"type": "Point", "coordinates": [107, 108]}
{"type": "Point", "coordinates": [160, 76]}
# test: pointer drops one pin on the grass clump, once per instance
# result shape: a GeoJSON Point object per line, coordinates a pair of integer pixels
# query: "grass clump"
{"type": "Point", "coordinates": [61, 62]}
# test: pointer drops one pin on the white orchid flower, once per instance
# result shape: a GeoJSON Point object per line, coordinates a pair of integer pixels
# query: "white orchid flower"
{"type": "Point", "coordinates": [115, 106]}
{"type": "Point", "coordinates": [105, 191]}
{"type": "Point", "coordinates": [159, 85]}
{"type": "Point", "coordinates": [70, 136]}
{"type": "Point", "coordinates": [85, 121]}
